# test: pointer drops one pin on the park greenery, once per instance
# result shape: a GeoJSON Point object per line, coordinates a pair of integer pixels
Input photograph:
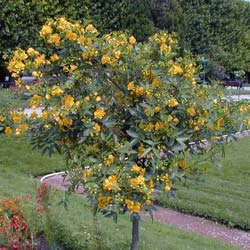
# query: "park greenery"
{"type": "Point", "coordinates": [121, 103]}
{"type": "Point", "coordinates": [73, 228]}
{"type": "Point", "coordinates": [124, 114]}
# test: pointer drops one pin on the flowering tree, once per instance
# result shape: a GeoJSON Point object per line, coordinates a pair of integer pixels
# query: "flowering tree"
{"type": "Point", "coordinates": [124, 114]}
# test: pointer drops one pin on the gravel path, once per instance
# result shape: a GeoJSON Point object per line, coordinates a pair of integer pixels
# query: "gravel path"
{"type": "Point", "coordinates": [189, 223]}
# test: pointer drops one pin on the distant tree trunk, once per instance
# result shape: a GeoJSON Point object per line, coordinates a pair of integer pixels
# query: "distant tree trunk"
{"type": "Point", "coordinates": [135, 231]}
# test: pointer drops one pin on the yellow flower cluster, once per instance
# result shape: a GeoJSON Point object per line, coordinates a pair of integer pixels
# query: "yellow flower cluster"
{"type": "Point", "coordinates": [191, 111]}
{"type": "Point", "coordinates": [104, 201]}
{"type": "Point", "coordinates": [154, 126]}
{"type": "Point", "coordinates": [219, 123]}
{"type": "Point", "coordinates": [68, 101]}
{"type": "Point", "coordinates": [17, 117]}
{"type": "Point", "coordinates": [97, 127]}
{"type": "Point", "coordinates": [99, 113]}
{"type": "Point", "coordinates": [138, 90]}
{"type": "Point", "coordinates": [109, 160]}
{"type": "Point", "coordinates": [134, 207]}
{"type": "Point", "coordinates": [56, 90]}
{"type": "Point", "coordinates": [17, 63]}
{"type": "Point", "coordinates": [165, 42]}
{"type": "Point", "coordinates": [138, 182]}
{"type": "Point", "coordinates": [172, 102]}
{"type": "Point", "coordinates": [175, 69]}
{"type": "Point", "coordinates": [110, 183]}
{"type": "Point", "coordinates": [63, 121]}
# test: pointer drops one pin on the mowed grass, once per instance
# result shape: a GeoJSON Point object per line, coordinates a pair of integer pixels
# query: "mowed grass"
{"type": "Point", "coordinates": [224, 195]}
{"type": "Point", "coordinates": [13, 99]}
{"type": "Point", "coordinates": [75, 226]}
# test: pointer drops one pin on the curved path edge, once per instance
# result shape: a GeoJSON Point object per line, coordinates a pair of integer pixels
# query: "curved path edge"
{"type": "Point", "coordinates": [186, 222]}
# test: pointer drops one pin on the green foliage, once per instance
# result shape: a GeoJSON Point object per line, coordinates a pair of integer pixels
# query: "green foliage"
{"type": "Point", "coordinates": [73, 228]}
{"type": "Point", "coordinates": [21, 20]}
{"type": "Point", "coordinates": [219, 29]}
{"type": "Point", "coordinates": [123, 113]}
{"type": "Point", "coordinates": [226, 189]}
{"type": "Point", "coordinates": [128, 111]}
{"type": "Point", "coordinates": [133, 16]}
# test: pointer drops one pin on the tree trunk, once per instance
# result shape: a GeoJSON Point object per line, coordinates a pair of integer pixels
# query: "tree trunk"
{"type": "Point", "coordinates": [135, 231]}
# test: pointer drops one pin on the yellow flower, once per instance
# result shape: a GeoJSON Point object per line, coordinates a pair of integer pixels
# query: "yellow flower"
{"type": "Point", "coordinates": [117, 53]}
{"type": "Point", "coordinates": [34, 115]}
{"type": "Point", "coordinates": [23, 127]}
{"type": "Point", "coordinates": [87, 172]}
{"type": "Point", "coordinates": [141, 149]}
{"type": "Point", "coordinates": [99, 113]}
{"type": "Point", "coordinates": [172, 102]}
{"type": "Point", "coordinates": [68, 101]}
{"type": "Point", "coordinates": [110, 183]}
{"type": "Point", "coordinates": [109, 160]}
{"type": "Point", "coordinates": [131, 86]}
{"type": "Point", "coordinates": [196, 128]}
{"type": "Point", "coordinates": [71, 35]}
{"type": "Point", "coordinates": [135, 168]}
{"type": "Point", "coordinates": [165, 48]}
{"type": "Point", "coordinates": [138, 181]}
{"type": "Point", "coordinates": [132, 40]}
{"type": "Point", "coordinates": [40, 60]}
{"type": "Point", "coordinates": [104, 201]}
{"type": "Point", "coordinates": [46, 30]}
{"type": "Point", "coordinates": [182, 164]}
{"type": "Point", "coordinates": [45, 115]}
{"type": "Point", "coordinates": [167, 187]}
{"type": "Point", "coordinates": [98, 99]}
{"type": "Point", "coordinates": [219, 123]}
{"type": "Point", "coordinates": [105, 59]}
{"type": "Point", "coordinates": [56, 90]}
{"type": "Point", "coordinates": [175, 70]}
{"type": "Point", "coordinates": [17, 117]}
{"type": "Point", "coordinates": [32, 52]}
{"type": "Point", "coordinates": [8, 131]}
{"type": "Point", "coordinates": [134, 207]}
{"type": "Point", "coordinates": [191, 111]}
{"type": "Point", "coordinates": [156, 83]}
{"type": "Point", "coordinates": [36, 74]}
{"type": "Point", "coordinates": [54, 39]}
{"type": "Point", "coordinates": [90, 28]}
{"type": "Point", "coordinates": [97, 127]}
{"type": "Point", "coordinates": [54, 58]}
{"type": "Point", "coordinates": [157, 109]}
{"type": "Point", "coordinates": [81, 39]}
{"type": "Point", "coordinates": [85, 55]}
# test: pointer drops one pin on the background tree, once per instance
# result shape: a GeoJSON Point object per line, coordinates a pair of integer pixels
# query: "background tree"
{"type": "Point", "coordinates": [217, 28]}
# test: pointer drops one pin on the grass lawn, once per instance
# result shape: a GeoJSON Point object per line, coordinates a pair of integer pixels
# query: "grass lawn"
{"type": "Point", "coordinates": [13, 98]}
{"type": "Point", "coordinates": [224, 195]}
{"type": "Point", "coordinates": [75, 226]}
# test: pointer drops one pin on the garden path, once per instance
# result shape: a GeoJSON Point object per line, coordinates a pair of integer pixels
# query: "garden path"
{"type": "Point", "coordinates": [186, 222]}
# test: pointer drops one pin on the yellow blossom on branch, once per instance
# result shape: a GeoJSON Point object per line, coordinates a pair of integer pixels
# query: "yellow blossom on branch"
{"type": "Point", "coordinates": [110, 183]}
{"type": "Point", "coordinates": [172, 102]}
{"type": "Point", "coordinates": [8, 131]}
{"type": "Point", "coordinates": [99, 113]}
{"type": "Point", "coordinates": [134, 207]}
{"type": "Point", "coordinates": [46, 30]}
{"type": "Point", "coordinates": [104, 201]}
{"type": "Point", "coordinates": [105, 59]}
{"type": "Point", "coordinates": [191, 111]}
{"type": "Point", "coordinates": [68, 101]}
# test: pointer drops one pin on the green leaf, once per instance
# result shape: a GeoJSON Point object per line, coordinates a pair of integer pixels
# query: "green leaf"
{"type": "Point", "coordinates": [132, 134]}
{"type": "Point", "coordinates": [147, 151]}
